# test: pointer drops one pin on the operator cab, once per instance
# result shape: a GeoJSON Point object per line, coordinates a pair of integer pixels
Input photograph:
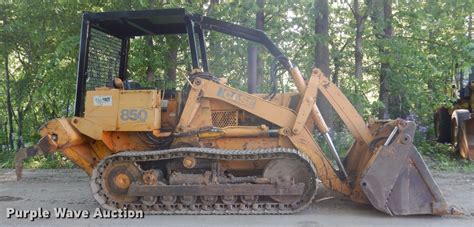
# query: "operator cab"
{"type": "Point", "coordinates": [105, 45]}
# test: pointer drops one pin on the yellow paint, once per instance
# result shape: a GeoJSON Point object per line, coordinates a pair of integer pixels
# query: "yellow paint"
{"type": "Point", "coordinates": [101, 108]}
{"type": "Point", "coordinates": [88, 128]}
{"type": "Point", "coordinates": [120, 110]}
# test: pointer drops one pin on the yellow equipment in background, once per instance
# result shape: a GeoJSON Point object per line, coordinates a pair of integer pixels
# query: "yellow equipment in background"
{"type": "Point", "coordinates": [455, 124]}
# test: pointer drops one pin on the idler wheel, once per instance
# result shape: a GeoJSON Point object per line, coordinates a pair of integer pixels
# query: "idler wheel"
{"type": "Point", "coordinates": [287, 171]}
{"type": "Point", "coordinates": [117, 178]}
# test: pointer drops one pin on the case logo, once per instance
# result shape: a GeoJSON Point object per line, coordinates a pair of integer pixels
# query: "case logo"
{"type": "Point", "coordinates": [236, 97]}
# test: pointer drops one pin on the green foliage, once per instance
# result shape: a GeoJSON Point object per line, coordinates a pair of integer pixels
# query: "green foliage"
{"type": "Point", "coordinates": [52, 161]}
{"type": "Point", "coordinates": [40, 41]}
{"type": "Point", "coordinates": [7, 160]}
{"type": "Point", "coordinates": [442, 157]}
{"type": "Point", "coordinates": [342, 140]}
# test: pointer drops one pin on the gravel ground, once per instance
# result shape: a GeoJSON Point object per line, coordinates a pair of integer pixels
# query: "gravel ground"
{"type": "Point", "coordinates": [69, 188]}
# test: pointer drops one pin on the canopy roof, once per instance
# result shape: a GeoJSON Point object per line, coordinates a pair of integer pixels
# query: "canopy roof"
{"type": "Point", "coordinates": [139, 23]}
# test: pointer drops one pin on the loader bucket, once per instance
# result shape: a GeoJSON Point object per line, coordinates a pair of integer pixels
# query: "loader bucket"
{"type": "Point", "coordinates": [397, 181]}
{"type": "Point", "coordinates": [463, 131]}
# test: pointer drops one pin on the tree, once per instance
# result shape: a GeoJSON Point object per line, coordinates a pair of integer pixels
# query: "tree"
{"type": "Point", "coordinates": [381, 19]}
{"type": "Point", "coordinates": [254, 65]}
{"type": "Point", "coordinates": [385, 66]}
{"type": "Point", "coordinates": [172, 58]}
{"type": "Point", "coordinates": [358, 49]}
{"type": "Point", "coordinates": [321, 59]}
{"type": "Point", "coordinates": [150, 70]}
{"type": "Point", "coordinates": [9, 104]}
{"type": "Point", "coordinates": [5, 37]}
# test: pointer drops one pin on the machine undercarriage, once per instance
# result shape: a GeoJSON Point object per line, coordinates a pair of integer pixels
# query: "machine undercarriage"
{"type": "Point", "coordinates": [206, 181]}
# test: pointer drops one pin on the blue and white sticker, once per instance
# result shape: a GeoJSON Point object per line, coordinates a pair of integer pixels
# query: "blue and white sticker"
{"type": "Point", "coordinates": [102, 100]}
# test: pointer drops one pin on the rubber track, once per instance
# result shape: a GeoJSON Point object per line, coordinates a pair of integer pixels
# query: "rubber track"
{"type": "Point", "coordinates": [199, 209]}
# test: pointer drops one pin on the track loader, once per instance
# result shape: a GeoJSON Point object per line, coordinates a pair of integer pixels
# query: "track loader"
{"type": "Point", "coordinates": [455, 124]}
{"type": "Point", "coordinates": [214, 149]}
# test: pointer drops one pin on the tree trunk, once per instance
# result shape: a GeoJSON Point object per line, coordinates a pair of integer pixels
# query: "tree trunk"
{"type": "Point", "coordinates": [171, 71]}
{"type": "Point", "coordinates": [381, 19]}
{"type": "Point", "coordinates": [469, 29]}
{"type": "Point", "coordinates": [150, 71]}
{"type": "Point", "coordinates": [337, 60]}
{"type": "Point", "coordinates": [383, 91]}
{"type": "Point", "coordinates": [254, 64]}
{"type": "Point", "coordinates": [9, 105]}
{"type": "Point", "coordinates": [150, 74]}
{"type": "Point", "coordinates": [5, 132]}
{"type": "Point", "coordinates": [172, 58]}
{"type": "Point", "coordinates": [321, 59]}
{"type": "Point", "coordinates": [252, 68]}
{"type": "Point", "coordinates": [260, 24]}
{"type": "Point", "coordinates": [20, 129]}
{"type": "Point", "coordinates": [358, 46]}
{"type": "Point", "coordinates": [358, 55]}
{"type": "Point", "coordinates": [385, 69]}
{"type": "Point", "coordinates": [335, 75]}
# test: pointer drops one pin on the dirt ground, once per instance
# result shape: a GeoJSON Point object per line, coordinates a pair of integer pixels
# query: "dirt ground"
{"type": "Point", "coordinates": [49, 189]}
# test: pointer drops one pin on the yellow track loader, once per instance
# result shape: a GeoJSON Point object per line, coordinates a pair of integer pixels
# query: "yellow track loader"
{"type": "Point", "coordinates": [213, 149]}
{"type": "Point", "coordinates": [455, 124]}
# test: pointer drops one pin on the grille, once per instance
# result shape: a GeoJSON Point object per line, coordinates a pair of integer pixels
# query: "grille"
{"type": "Point", "coordinates": [103, 59]}
{"type": "Point", "coordinates": [223, 119]}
